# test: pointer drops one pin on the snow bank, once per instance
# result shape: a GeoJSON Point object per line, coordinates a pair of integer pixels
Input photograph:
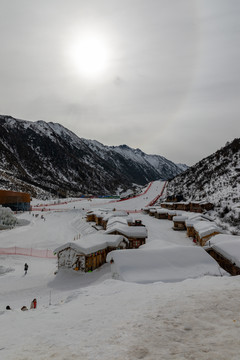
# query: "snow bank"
{"type": "Point", "coordinates": [170, 264]}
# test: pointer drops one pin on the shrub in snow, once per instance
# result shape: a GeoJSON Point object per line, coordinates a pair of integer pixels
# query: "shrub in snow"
{"type": "Point", "coordinates": [7, 218]}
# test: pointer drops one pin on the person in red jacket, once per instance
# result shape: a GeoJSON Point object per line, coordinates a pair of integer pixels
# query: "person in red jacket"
{"type": "Point", "coordinates": [33, 304]}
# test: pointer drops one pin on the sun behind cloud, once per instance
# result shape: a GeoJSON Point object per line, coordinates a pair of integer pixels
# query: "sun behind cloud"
{"type": "Point", "coordinates": [90, 54]}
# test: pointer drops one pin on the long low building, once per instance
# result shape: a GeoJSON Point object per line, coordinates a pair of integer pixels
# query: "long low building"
{"type": "Point", "coordinates": [225, 249]}
{"type": "Point", "coordinates": [89, 252]}
{"type": "Point", "coordinates": [16, 201]}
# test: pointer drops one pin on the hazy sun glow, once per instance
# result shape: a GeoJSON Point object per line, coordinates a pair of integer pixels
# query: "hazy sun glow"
{"type": "Point", "coordinates": [90, 55]}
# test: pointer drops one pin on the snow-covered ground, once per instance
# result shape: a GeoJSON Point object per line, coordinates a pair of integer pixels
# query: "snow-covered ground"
{"type": "Point", "coordinates": [92, 316]}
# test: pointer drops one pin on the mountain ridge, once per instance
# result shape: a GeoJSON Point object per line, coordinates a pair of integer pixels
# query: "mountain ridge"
{"type": "Point", "coordinates": [215, 178]}
{"type": "Point", "coordinates": [45, 157]}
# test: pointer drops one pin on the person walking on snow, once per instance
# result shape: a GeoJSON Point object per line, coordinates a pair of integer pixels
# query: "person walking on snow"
{"type": "Point", "coordinates": [26, 268]}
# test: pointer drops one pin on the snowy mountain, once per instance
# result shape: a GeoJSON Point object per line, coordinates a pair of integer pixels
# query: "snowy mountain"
{"type": "Point", "coordinates": [42, 157]}
{"type": "Point", "coordinates": [215, 179]}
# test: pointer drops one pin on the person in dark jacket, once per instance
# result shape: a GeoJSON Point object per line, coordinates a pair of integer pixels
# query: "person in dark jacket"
{"type": "Point", "coordinates": [26, 268]}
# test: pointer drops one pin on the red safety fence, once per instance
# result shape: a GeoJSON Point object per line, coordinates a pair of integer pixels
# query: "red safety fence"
{"type": "Point", "coordinates": [28, 252]}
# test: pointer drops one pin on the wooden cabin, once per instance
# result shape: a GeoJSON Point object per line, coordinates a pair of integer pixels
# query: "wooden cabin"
{"type": "Point", "coordinates": [99, 218]}
{"type": "Point", "coordinates": [191, 232]}
{"type": "Point", "coordinates": [96, 216]}
{"type": "Point", "coordinates": [161, 214]}
{"type": "Point", "coordinates": [90, 216]}
{"type": "Point", "coordinates": [136, 235]}
{"type": "Point", "coordinates": [90, 252]}
{"type": "Point", "coordinates": [171, 214]}
{"type": "Point", "coordinates": [152, 211]}
{"type": "Point", "coordinates": [113, 215]}
{"type": "Point", "coordinates": [204, 230]}
{"type": "Point", "coordinates": [179, 222]}
{"type": "Point", "coordinates": [168, 205]}
{"type": "Point", "coordinates": [225, 249]}
{"type": "Point", "coordinates": [200, 206]}
{"type": "Point", "coordinates": [184, 206]}
{"type": "Point", "coordinates": [223, 262]}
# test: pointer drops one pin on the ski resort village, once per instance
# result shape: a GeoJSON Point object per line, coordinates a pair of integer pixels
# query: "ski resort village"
{"type": "Point", "coordinates": [141, 276]}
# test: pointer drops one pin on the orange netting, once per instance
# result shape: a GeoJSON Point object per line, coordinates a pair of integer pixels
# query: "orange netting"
{"type": "Point", "coordinates": [28, 252]}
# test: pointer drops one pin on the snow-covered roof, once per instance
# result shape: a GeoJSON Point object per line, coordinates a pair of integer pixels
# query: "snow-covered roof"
{"type": "Point", "coordinates": [190, 222]}
{"type": "Point", "coordinates": [170, 264]}
{"type": "Point", "coordinates": [162, 211]}
{"type": "Point", "coordinates": [112, 214]}
{"type": "Point", "coordinates": [129, 231]}
{"type": "Point", "coordinates": [119, 219]}
{"type": "Point", "coordinates": [153, 210]}
{"type": "Point", "coordinates": [222, 238]}
{"type": "Point", "coordinates": [97, 211]}
{"type": "Point", "coordinates": [92, 243]}
{"type": "Point", "coordinates": [205, 228]}
{"type": "Point", "coordinates": [172, 212]}
{"type": "Point", "coordinates": [230, 249]}
{"type": "Point", "coordinates": [200, 202]}
{"type": "Point", "coordinates": [180, 218]}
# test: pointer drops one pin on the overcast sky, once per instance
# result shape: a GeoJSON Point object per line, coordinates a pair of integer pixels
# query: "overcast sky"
{"type": "Point", "coordinates": [162, 75]}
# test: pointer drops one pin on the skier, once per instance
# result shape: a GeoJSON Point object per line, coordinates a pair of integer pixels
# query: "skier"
{"type": "Point", "coordinates": [26, 268]}
{"type": "Point", "coordinates": [33, 304]}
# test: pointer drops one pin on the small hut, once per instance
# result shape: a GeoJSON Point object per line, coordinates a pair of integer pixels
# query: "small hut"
{"type": "Point", "coordinates": [136, 235]}
{"type": "Point", "coordinates": [168, 205]}
{"type": "Point", "coordinates": [90, 216]}
{"type": "Point", "coordinates": [184, 206]}
{"type": "Point", "coordinates": [179, 222]}
{"type": "Point", "coordinates": [114, 214]}
{"type": "Point", "coordinates": [152, 211]}
{"type": "Point", "coordinates": [189, 223]}
{"type": "Point", "coordinates": [161, 214]}
{"type": "Point", "coordinates": [172, 213]}
{"type": "Point", "coordinates": [204, 230]}
{"type": "Point", "coordinates": [200, 206]}
{"type": "Point", "coordinates": [89, 252]}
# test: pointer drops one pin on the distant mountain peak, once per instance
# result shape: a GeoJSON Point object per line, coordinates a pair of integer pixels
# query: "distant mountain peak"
{"type": "Point", "coordinates": [48, 156]}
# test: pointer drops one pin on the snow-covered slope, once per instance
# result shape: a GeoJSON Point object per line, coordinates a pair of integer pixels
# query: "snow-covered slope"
{"type": "Point", "coordinates": [46, 157]}
{"type": "Point", "coordinates": [215, 178]}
